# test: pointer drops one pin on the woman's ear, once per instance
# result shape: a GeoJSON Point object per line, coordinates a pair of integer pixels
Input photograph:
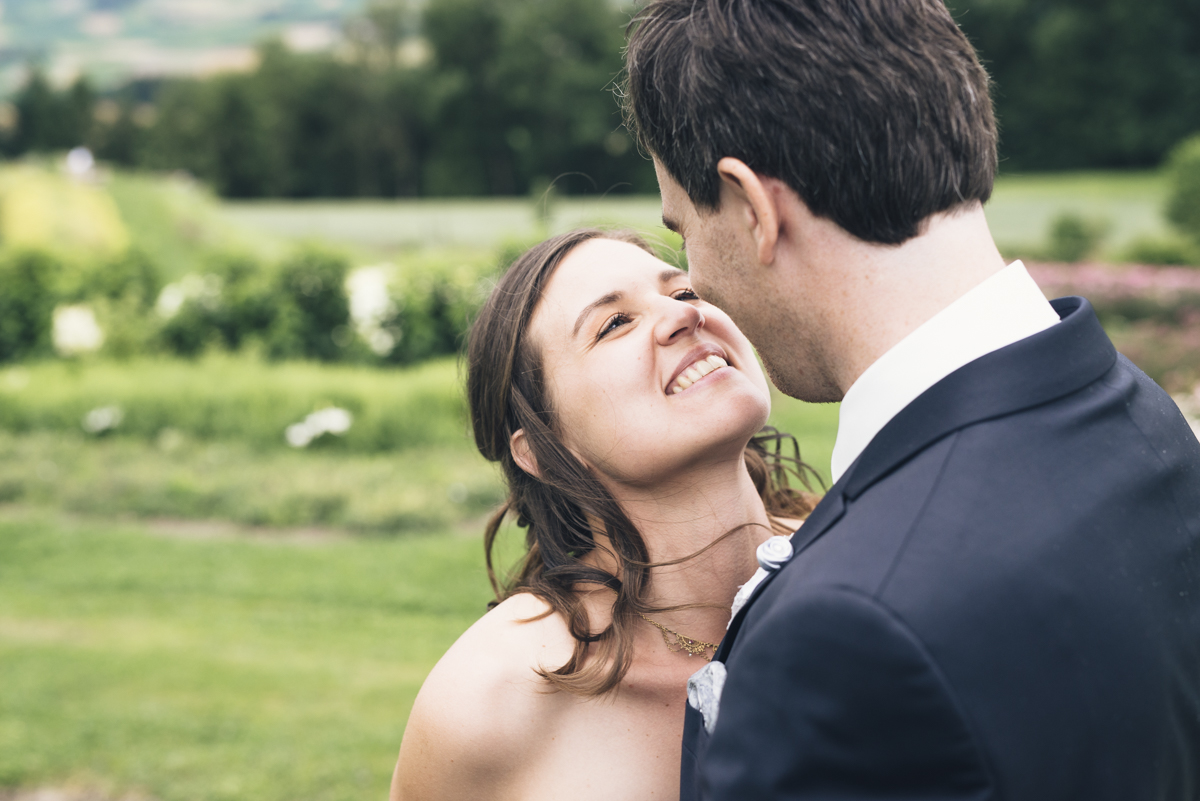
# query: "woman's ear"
{"type": "Point", "coordinates": [518, 443]}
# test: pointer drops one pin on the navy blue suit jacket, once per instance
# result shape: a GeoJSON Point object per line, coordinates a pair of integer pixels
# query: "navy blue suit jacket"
{"type": "Point", "coordinates": [1000, 599]}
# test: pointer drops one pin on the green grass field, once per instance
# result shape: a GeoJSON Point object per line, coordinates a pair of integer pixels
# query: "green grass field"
{"type": "Point", "coordinates": [218, 669]}
{"type": "Point", "coordinates": [1023, 207]}
{"type": "Point", "coordinates": [183, 479]}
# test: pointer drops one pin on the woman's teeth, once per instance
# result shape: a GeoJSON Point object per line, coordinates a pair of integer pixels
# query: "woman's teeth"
{"type": "Point", "coordinates": [696, 372]}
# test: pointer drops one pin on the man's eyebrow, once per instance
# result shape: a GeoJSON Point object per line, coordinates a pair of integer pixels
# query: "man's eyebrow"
{"type": "Point", "coordinates": [611, 297]}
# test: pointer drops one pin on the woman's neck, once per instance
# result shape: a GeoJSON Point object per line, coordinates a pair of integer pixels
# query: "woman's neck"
{"type": "Point", "coordinates": [684, 516]}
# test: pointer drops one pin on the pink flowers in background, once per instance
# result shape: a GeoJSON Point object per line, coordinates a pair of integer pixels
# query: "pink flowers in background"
{"type": "Point", "coordinates": [1104, 283]}
{"type": "Point", "coordinates": [1151, 313]}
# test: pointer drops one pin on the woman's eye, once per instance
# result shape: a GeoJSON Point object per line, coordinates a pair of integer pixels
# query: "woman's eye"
{"type": "Point", "coordinates": [686, 294]}
{"type": "Point", "coordinates": [612, 324]}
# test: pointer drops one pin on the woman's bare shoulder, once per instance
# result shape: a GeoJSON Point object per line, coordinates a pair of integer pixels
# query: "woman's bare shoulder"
{"type": "Point", "coordinates": [509, 644]}
{"type": "Point", "coordinates": [484, 708]}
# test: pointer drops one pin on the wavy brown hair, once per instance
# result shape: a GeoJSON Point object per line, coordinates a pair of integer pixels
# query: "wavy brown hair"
{"type": "Point", "coordinates": [506, 389]}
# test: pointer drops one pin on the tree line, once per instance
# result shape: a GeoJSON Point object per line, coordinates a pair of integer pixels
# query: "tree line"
{"type": "Point", "coordinates": [1088, 83]}
{"type": "Point", "coordinates": [503, 97]}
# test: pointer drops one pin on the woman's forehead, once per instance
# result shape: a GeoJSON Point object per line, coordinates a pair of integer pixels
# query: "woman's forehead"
{"type": "Point", "coordinates": [601, 266]}
{"type": "Point", "coordinates": [594, 272]}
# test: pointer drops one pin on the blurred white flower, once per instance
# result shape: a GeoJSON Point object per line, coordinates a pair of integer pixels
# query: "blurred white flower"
{"type": "Point", "coordinates": [371, 305]}
{"type": "Point", "coordinates": [381, 341]}
{"type": "Point", "coordinates": [330, 420]}
{"type": "Point", "coordinates": [80, 162]}
{"type": "Point", "coordinates": [101, 419]}
{"type": "Point", "coordinates": [76, 330]}
{"type": "Point", "coordinates": [204, 288]}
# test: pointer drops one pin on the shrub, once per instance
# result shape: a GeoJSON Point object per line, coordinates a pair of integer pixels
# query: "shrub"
{"type": "Point", "coordinates": [312, 316]}
{"type": "Point", "coordinates": [131, 276]}
{"type": "Point", "coordinates": [1164, 250]}
{"type": "Point", "coordinates": [433, 301]}
{"type": "Point", "coordinates": [230, 304]}
{"type": "Point", "coordinates": [1073, 238]}
{"type": "Point", "coordinates": [122, 291]}
{"type": "Point", "coordinates": [1183, 202]}
{"type": "Point", "coordinates": [193, 327]}
{"type": "Point", "coordinates": [27, 299]}
{"type": "Point", "coordinates": [431, 319]}
{"type": "Point", "coordinates": [246, 310]}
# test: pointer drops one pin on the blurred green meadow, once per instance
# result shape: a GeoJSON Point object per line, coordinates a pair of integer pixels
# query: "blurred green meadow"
{"type": "Point", "coordinates": [196, 604]}
{"type": "Point", "coordinates": [140, 661]}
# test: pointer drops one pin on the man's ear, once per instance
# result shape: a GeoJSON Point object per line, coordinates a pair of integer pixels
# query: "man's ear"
{"type": "Point", "coordinates": [758, 202]}
{"type": "Point", "coordinates": [519, 445]}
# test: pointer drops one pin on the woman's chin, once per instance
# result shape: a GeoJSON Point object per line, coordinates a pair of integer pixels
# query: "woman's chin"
{"type": "Point", "coordinates": [669, 457]}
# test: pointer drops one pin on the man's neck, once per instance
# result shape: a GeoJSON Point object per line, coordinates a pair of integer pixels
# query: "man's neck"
{"type": "Point", "coordinates": [895, 289]}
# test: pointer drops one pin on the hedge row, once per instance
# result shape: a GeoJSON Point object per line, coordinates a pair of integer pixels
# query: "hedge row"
{"type": "Point", "coordinates": [300, 308]}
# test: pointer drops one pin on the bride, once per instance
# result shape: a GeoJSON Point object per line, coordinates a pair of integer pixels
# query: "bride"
{"type": "Point", "coordinates": [623, 411]}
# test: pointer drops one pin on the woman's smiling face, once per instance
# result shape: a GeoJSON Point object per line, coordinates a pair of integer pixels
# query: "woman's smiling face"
{"type": "Point", "coordinates": [646, 380]}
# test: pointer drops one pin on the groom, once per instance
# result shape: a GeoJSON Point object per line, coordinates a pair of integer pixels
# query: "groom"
{"type": "Point", "coordinates": [999, 598]}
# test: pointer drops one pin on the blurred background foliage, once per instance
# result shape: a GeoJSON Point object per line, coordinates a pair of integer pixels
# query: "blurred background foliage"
{"type": "Point", "coordinates": [465, 98]}
{"type": "Point", "coordinates": [501, 97]}
{"type": "Point", "coordinates": [1088, 83]}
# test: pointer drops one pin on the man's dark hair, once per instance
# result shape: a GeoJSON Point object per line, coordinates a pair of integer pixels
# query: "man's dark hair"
{"type": "Point", "coordinates": [876, 112]}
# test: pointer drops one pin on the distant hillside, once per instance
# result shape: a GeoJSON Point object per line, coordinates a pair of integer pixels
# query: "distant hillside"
{"type": "Point", "coordinates": [114, 40]}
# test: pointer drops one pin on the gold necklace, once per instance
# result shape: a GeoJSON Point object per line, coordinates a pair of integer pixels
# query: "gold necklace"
{"type": "Point", "coordinates": [681, 644]}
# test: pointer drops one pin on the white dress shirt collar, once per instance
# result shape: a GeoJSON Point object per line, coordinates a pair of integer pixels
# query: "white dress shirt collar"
{"type": "Point", "coordinates": [1004, 309]}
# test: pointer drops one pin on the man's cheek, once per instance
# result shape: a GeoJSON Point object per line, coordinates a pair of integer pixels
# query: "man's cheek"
{"type": "Point", "coordinates": [698, 269]}
{"type": "Point", "coordinates": [700, 284]}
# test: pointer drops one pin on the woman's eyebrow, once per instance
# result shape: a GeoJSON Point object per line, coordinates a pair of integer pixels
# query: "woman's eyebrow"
{"type": "Point", "coordinates": [666, 276]}
{"type": "Point", "coordinates": [611, 297]}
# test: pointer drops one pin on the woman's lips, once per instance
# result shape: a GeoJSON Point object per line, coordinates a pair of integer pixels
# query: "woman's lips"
{"type": "Point", "coordinates": [695, 371]}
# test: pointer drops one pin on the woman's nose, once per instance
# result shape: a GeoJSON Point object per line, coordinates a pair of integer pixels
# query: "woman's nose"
{"type": "Point", "coordinates": [679, 319]}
